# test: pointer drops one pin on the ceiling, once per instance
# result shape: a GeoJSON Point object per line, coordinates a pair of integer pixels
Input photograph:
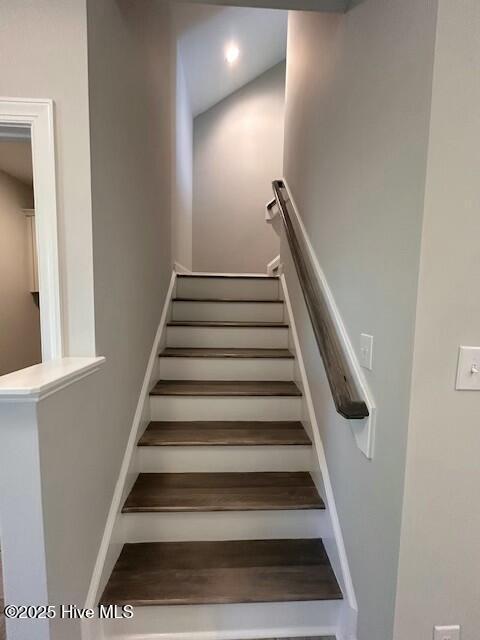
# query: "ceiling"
{"type": "Point", "coordinates": [16, 159]}
{"type": "Point", "coordinates": [203, 32]}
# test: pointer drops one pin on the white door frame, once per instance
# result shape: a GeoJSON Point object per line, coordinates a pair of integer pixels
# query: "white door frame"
{"type": "Point", "coordinates": [38, 116]}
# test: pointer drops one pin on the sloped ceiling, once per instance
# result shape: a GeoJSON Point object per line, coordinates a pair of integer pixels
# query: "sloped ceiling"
{"type": "Point", "coordinates": [204, 31]}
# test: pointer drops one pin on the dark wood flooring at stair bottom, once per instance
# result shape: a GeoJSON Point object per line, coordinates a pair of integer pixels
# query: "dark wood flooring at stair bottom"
{"type": "Point", "coordinates": [166, 573]}
{"type": "Point", "coordinates": [241, 300]}
{"type": "Point", "coordinates": [160, 492]}
{"type": "Point", "coordinates": [217, 433]}
{"type": "Point", "coordinates": [227, 323]}
{"type": "Point", "coordinates": [225, 388]}
{"type": "Point", "coordinates": [224, 276]}
{"type": "Point", "coordinates": [209, 352]}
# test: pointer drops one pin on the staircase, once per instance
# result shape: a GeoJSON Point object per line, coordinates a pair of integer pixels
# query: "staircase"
{"type": "Point", "coordinates": [223, 525]}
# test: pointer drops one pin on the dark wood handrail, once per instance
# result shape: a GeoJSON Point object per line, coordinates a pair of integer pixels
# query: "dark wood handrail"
{"type": "Point", "coordinates": [344, 391]}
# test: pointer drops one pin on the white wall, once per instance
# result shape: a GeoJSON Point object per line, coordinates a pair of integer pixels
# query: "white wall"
{"type": "Point", "coordinates": [182, 196]}
{"type": "Point", "coordinates": [19, 315]}
{"type": "Point", "coordinates": [357, 116]}
{"type": "Point", "coordinates": [53, 28]}
{"type": "Point", "coordinates": [22, 530]}
{"type": "Point", "coordinates": [238, 147]}
{"type": "Point", "coordinates": [440, 552]}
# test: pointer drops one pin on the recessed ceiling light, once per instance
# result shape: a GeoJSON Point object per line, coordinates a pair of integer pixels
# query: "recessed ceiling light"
{"type": "Point", "coordinates": [232, 53]}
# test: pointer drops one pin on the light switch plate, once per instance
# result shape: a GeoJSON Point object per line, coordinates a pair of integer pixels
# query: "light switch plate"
{"type": "Point", "coordinates": [468, 372]}
{"type": "Point", "coordinates": [446, 633]}
{"type": "Point", "coordinates": [366, 351]}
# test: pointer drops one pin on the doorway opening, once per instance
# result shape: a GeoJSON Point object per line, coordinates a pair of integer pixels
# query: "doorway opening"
{"type": "Point", "coordinates": [30, 306]}
{"type": "Point", "coordinates": [20, 335]}
{"type": "Point", "coordinates": [230, 103]}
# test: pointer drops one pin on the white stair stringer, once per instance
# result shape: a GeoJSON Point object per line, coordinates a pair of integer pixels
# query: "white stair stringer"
{"type": "Point", "coordinates": [333, 538]}
{"type": "Point", "coordinates": [227, 621]}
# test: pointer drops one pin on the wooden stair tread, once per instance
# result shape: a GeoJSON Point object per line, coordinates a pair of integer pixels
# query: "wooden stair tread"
{"type": "Point", "coordinates": [158, 492]}
{"type": "Point", "coordinates": [227, 276]}
{"type": "Point", "coordinates": [227, 323]}
{"type": "Point", "coordinates": [225, 388]}
{"type": "Point", "coordinates": [209, 352]}
{"type": "Point", "coordinates": [227, 433]}
{"type": "Point", "coordinates": [238, 300]}
{"type": "Point", "coordinates": [220, 572]}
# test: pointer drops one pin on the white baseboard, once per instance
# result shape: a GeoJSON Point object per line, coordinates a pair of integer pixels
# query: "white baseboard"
{"type": "Point", "coordinates": [110, 547]}
{"type": "Point", "coordinates": [334, 543]}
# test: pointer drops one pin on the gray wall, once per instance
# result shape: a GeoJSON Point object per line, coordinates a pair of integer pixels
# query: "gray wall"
{"type": "Point", "coordinates": [113, 136]}
{"type": "Point", "coordinates": [19, 315]}
{"type": "Point", "coordinates": [439, 579]}
{"type": "Point", "coordinates": [43, 69]}
{"type": "Point", "coordinates": [357, 119]}
{"type": "Point", "coordinates": [130, 63]}
{"type": "Point", "coordinates": [182, 172]}
{"type": "Point", "coordinates": [238, 147]}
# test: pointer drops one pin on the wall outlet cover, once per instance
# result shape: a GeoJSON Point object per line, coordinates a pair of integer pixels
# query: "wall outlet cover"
{"type": "Point", "coordinates": [366, 351]}
{"type": "Point", "coordinates": [451, 632]}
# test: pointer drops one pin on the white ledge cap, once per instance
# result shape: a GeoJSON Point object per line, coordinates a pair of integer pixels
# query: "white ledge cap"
{"type": "Point", "coordinates": [41, 380]}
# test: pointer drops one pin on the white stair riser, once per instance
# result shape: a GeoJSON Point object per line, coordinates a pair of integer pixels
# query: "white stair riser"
{"type": "Point", "coordinates": [221, 458]}
{"type": "Point", "coordinates": [225, 408]}
{"type": "Point", "coordinates": [227, 525]}
{"type": "Point", "coordinates": [236, 288]}
{"type": "Point", "coordinates": [247, 337]}
{"type": "Point", "coordinates": [228, 621]}
{"type": "Point", "coordinates": [226, 369]}
{"type": "Point", "coordinates": [228, 311]}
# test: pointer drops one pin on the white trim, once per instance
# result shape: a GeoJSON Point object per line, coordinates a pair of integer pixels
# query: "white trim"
{"type": "Point", "coordinates": [179, 268]}
{"type": "Point", "coordinates": [273, 265]}
{"type": "Point", "coordinates": [42, 380]}
{"type": "Point", "coordinates": [363, 430]}
{"type": "Point", "coordinates": [38, 115]}
{"type": "Point", "coordinates": [349, 619]}
{"type": "Point", "coordinates": [116, 504]}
